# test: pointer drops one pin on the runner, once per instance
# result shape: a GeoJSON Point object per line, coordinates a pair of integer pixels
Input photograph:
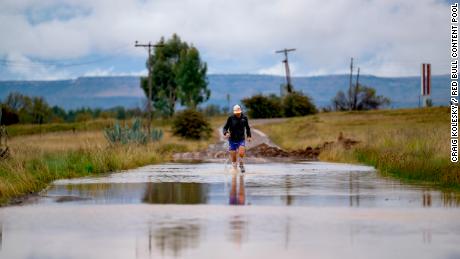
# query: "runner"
{"type": "Point", "coordinates": [234, 130]}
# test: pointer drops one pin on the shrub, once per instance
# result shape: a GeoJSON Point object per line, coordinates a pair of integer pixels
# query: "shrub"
{"type": "Point", "coordinates": [260, 106]}
{"type": "Point", "coordinates": [297, 104]}
{"type": "Point", "coordinates": [8, 117]}
{"type": "Point", "coordinates": [191, 124]}
{"type": "Point", "coordinates": [362, 98]}
{"type": "Point", "coordinates": [293, 104]}
{"type": "Point", "coordinates": [429, 103]}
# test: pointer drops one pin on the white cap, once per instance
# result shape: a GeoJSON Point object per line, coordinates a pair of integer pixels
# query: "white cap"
{"type": "Point", "coordinates": [236, 109]}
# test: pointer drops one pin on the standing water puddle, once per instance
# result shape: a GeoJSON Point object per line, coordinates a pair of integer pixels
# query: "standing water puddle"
{"type": "Point", "coordinates": [293, 210]}
{"type": "Point", "coordinates": [308, 184]}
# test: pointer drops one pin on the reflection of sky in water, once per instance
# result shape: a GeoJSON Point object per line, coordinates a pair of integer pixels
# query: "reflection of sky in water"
{"type": "Point", "coordinates": [299, 211]}
{"type": "Point", "coordinates": [299, 184]}
{"type": "Point", "coordinates": [208, 231]}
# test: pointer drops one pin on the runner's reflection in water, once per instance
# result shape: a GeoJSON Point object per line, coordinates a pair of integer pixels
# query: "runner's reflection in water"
{"type": "Point", "coordinates": [238, 223]}
{"type": "Point", "coordinates": [237, 193]}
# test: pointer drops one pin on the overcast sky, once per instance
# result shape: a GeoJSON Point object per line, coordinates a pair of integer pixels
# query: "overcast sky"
{"type": "Point", "coordinates": [55, 39]}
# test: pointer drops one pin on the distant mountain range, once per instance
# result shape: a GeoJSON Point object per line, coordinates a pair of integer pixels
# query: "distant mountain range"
{"type": "Point", "coordinates": [107, 92]}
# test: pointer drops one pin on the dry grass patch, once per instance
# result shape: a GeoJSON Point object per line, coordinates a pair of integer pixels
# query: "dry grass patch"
{"type": "Point", "coordinates": [38, 159]}
{"type": "Point", "coordinates": [407, 143]}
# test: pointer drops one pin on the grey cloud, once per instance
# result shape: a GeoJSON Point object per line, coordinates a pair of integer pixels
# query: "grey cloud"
{"type": "Point", "coordinates": [387, 37]}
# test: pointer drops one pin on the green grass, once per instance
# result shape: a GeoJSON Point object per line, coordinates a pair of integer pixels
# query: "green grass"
{"type": "Point", "coordinates": [91, 125]}
{"type": "Point", "coordinates": [57, 152]}
{"type": "Point", "coordinates": [22, 176]}
{"type": "Point", "coordinates": [30, 129]}
{"type": "Point", "coordinates": [410, 144]}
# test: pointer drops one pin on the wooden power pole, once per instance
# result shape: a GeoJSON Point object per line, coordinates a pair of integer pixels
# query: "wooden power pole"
{"type": "Point", "coordinates": [149, 47]}
{"type": "Point", "coordinates": [289, 87]}
{"type": "Point", "coordinates": [350, 94]}
{"type": "Point", "coordinates": [355, 92]}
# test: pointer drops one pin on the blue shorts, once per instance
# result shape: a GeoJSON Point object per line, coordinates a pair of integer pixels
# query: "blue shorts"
{"type": "Point", "coordinates": [235, 145]}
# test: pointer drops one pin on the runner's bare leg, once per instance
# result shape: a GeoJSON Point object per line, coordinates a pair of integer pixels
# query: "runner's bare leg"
{"type": "Point", "coordinates": [241, 152]}
{"type": "Point", "coordinates": [233, 155]}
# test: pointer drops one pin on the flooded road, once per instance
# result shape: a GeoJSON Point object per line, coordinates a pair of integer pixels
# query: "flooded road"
{"type": "Point", "coordinates": [275, 210]}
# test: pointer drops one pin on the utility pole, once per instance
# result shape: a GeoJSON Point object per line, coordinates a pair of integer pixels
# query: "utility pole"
{"type": "Point", "coordinates": [149, 47]}
{"type": "Point", "coordinates": [351, 85]}
{"type": "Point", "coordinates": [355, 94]}
{"type": "Point", "coordinates": [286, 65]}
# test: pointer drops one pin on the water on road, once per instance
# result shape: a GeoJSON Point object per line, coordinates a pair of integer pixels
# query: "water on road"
{"type": "Point", "coordinates": [275, 210]}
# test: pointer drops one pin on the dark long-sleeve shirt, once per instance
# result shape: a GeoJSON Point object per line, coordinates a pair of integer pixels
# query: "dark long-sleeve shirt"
{"type": "Point", "coordinates": [237, 126]}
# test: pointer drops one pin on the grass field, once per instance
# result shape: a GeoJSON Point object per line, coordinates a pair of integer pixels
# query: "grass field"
{"type": "Point", "coordinates": [59, 152]}
{"type": "Point", "coordinates": [30, 129]}
{"type": "Point", "coordinates": [411, 144]}
{"type": "Point", "coordinates": [97, 124]}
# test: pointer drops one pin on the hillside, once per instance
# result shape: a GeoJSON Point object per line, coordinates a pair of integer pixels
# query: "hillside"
{"type": "Point", "coordinates": [106, 92]}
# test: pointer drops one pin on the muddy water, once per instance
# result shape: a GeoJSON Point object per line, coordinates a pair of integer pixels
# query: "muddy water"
{"type": "Point", "coordinates": [275, 210]}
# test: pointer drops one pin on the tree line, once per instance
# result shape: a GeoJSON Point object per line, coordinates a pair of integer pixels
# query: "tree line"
{"type": "Point", "coordinates": [20, 108]}
{"type": "Point", "coordinates": [360, 98]}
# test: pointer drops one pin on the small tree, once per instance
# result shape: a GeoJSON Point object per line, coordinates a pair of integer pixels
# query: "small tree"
{"type": "Point", "coordinates": [164, 62]}
{"type": "Point", "coordinates": [297, 104]}
{"type": "Point", "coordinates": [58, 114]}
{"type": "Point", "coordinates": [29, 109]}
{"type": "Point", "coordinates": [340, 101]}
{"type": "Point", "coordinates": [429, 103]}
{"type": "Point", "coordinates": [41, 111]}
{"type": "Point", "coordinates": [260, 106]}
{"type": "Point", "coordinates": [369, 100]}
{"type": "Point", "coordinates": [366, 99]}
{"type": "Point", "coordinates": [178, 74]}
{"type": "Point", "coordinates": [191, 78]}
{"type": "Point", "coordinates": [15, 101]}
{"type": "Point", "coordinates": [191, 124]}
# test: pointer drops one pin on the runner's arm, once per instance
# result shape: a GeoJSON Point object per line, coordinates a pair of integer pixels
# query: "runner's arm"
{"type": "Point", "coordinates": [226, 126]}
{"type": "Point", "coordinates": [248, 129]}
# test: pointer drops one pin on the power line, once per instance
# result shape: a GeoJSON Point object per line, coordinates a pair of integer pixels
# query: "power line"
{"type": "Point", "coordinates": [36, 64]}
{"type": "Point", "coordinates": [32, 63]}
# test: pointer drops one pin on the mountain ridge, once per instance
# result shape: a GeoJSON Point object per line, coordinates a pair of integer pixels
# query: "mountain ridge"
{"type": "Point", "coordinates": [110, 91]}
